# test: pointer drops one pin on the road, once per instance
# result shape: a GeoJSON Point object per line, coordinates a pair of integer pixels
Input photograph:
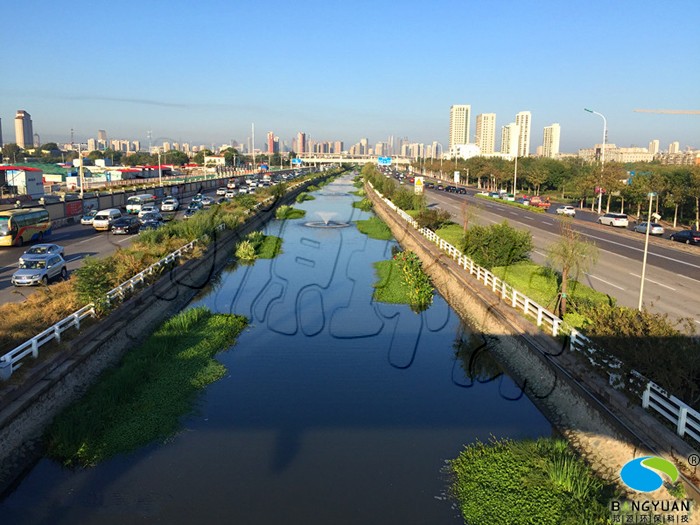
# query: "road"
{"type": "Point", "coordinates": [673, 269]}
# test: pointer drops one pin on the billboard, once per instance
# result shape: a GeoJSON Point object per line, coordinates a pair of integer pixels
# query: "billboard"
{"type": "Point", "coordinates": [384, 161]}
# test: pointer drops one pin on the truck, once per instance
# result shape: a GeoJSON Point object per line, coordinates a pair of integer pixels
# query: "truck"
{"type": "Point", "coordinates": [539, 202]}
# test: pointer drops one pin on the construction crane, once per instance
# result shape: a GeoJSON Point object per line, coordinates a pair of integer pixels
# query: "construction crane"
{"type": "Point", "coordinates": [670, 111]}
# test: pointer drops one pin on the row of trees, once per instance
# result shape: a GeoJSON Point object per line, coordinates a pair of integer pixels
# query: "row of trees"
{"type": "Point", "coordinates": [51, 153]}
{"type": "Point", "coordinates": [626, 187]}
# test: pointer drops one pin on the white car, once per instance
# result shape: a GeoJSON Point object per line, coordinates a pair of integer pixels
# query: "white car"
{"type": "Point", "coordinates": [654, 229]}
{"type": "Point", "coordinates": [230, 194]}
{"type": "Point", "coordinates": [614, 219]}
{"type": "Point", "coordinates": [566, 210]}
{"type": "Point", "coordinates": [170, 204]}
{"type": "Point", "coordinates": [221, 190]}
{"type": "Point", "coordinates": [147, 208]}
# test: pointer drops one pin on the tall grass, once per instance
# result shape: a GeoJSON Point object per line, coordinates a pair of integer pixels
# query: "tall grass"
{"type": "Point", "coordinates": [143, 399]}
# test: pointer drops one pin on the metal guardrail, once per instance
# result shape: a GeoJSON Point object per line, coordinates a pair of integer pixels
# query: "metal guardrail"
{"type": "Point", "coordinates": [10, 361]}
{"type": "Point", "coordinates": [684, 417]}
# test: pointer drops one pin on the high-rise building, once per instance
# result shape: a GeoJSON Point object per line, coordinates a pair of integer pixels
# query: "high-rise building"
{"type": "Point", "coordinates": [486, 132]}
{"type": "Point", "coordinates": [270, 142]}
{"type": "Point", "coordinates": [338, 146]}
{"type": "Point", "coordinates": [24, 134]}
{"type": "Point", "coordinates": [524, 121]}
{"type": "Point", "coordinates": [101, 135]}
{"type": "Point", "coordinates": [364, 146]}
{"type": "Point", "coordinates": [91, 144]}
{"type": "Point", "coordinates": [509, 139]}
{"type": "Point", "coordinates": [550, 141]}
{"type": "Point", "coordinates": [654, 146]}
{"type": "Point", "coordinates": [459, 124]}
{"type": "Point", "coordinates": [301, 142]}
{"type": "Point", "coordinates": [674, 147]}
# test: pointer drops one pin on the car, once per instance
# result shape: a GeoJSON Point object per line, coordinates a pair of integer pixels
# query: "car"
{"type": "Point", "coordinates": [126, 225]}
{"type": "Point", "coordinates": [430, 185]}
{"type": "Point", "coordinates": [223, 200]}
{"type": "Point", "coordinates": [195, 205]}
{"type": "Point", "coordinates": [150, 217]}
{"type": "Point", "coordinates": [686, 236]}
{"type": "Point", "coordinates": [614, 219]}
{"type": "Point", "coordinates": [483, 193]}
{"type": "Point", "coordinates": [39, 250]}
{"type": "Point", "coordinates": [169, 204]}
{"type": "Point", "coordinates": [655, 228]}
{"type": "Point", "coordinates": [566, 210]}
{"type": "Point", "coordinates": [221, 190]}
{"type": "Point", "coordinates": [495, 195]}
{"type": "Point", "coordinates": [206, 200]}
{"type": "Point", "coordinates": [243, 189]}
{"type": "Point", "coordinates": [508, 197]}
{"type": "Point", "coordinates": [462, 191]}
{"type": "Point", "coordinates": [451, 189]}
{"type": "Point", "coordinates": [147, 208]}
{"type": "Point", "coordinates": [88, 217]}
{"type": "Point", "coordinates": [189, 212]}
{"type": "Point", "coordinates": [230, 194]}
{"type": "Point", "coordinates": [40, 270]}
{"type": "Point", "coordinates": [104, 218]}
{"type": "Point", "coordinates": [150, 225]}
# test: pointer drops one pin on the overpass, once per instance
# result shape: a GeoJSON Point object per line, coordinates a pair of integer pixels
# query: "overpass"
{"type": "Point", "coordinates": [333, 158]}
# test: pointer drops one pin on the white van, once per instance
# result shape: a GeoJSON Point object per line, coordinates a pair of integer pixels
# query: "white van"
{"type": "Point", "coordinates": [104, 218]}
{"type": "Point", "coordinates": [133, 204]}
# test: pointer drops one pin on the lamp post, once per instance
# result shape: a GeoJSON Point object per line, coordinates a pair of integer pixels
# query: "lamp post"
{"type": "Point", "coordinates": [160, 171]}
{"type": "Point", "coordinates": [646, 249]}
{"type": "Point", "coordinates": [515, 175]}
{"type": "Point", "coordinates": [80, 172]}
{"type": "Point", "coordinates": [602, 155]}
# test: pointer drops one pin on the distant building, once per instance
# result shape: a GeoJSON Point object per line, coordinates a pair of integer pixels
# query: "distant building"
{"type": "Point", "coordinates": [338, 146]}
{"type": "Point", "coordinates": [615, 154]}
{"type": "Point", "coordinates": [24, 134]}
{"type": "Point", "coordinates": [301, 142]}
{"type": "Point", "coordinates": [654, 147]}
{"type": "Point", "coordinates": [509, 139]}
{"type": "Point", "coordinates": [102, 135]}
{"type": "Point", "coordinates": [91, 144]}
{"type": "Point", "coordinates": [524, 121]}
{"type": "Point", "coordinates": [459, 124]}
{"type": "Point", "coordinates": [550, 141]}
{"type": "Point", "coordinates": [486, 132]}
{"type": "Point", "coordinates": [270, 142]}
{"type": "Point", "coordinates": [674, 147]}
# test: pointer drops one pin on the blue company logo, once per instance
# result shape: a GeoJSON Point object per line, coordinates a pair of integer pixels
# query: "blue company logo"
{"type": "Point", "coordinates": [641, 474]}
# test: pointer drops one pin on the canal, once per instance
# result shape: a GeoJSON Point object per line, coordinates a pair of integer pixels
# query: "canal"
{"type": "Point", "coordinates": [336, 409]}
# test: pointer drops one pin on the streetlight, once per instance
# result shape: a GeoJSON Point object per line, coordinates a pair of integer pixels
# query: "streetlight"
{"type": "Point", "coordinates": [160, 171]}
{"type": "Point", "coordinates": [602, 155]}
{"type": "Point", "coordinates": [646, 249]}
{"type": "Point", "coordinates": [515, 175]}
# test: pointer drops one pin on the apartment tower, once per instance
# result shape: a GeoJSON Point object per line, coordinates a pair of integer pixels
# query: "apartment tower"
{"type": "Point", "coordinates": [23, 129]}
{"type": "Point", "coordinates": [550, 141]}
{"type": "Point", "coordinates": [509, 139]}
{"type": "Point", "coordinates": [459, 124]}
{"type": "Point", "coordinates": [524, 121]}
{"type": "Point", "coordinates": [486, 133]}
{"type": "Point", "coordinates": [654, 147]}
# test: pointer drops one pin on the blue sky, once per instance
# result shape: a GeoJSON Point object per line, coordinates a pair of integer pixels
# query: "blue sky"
{"type": "Point", "coordinates": [202, 72]}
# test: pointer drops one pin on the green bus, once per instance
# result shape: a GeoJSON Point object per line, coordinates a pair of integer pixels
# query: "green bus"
{"type": "Point", "coordinates": [23, 225]}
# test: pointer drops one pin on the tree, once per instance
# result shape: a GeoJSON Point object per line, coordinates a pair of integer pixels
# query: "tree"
{"type": "Point", "coordinates": [695, 192]}
{"type": "Point", "coordinates": [12, 152]}
{"type": "Point", "coordinates": [612, 180]}
{"type": "Point", "coordinates": [94, 155]}
{"type": "Point", "coordinates": [570, 255]}
{"type": "Point", "coordinates": [199, 156]}
{"type": "Point", "coordinates": [535, 175]}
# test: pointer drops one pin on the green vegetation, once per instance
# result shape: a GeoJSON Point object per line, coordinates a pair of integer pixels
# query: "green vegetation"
{"type": "Point", "coordinates": [527, 482]}
{"type": "Point", "coordinates": [256, 245]}
{"type": "Point", "coordinates": [364, 205]}
{"type": "Point", "coordinates": [303, 196]}
{"type": "Point", "coordinates": [496, 245]}
{"type": "Point", "coordinates": [287, 212]}
{"type": "Point", "coordinates": [527, 207]}
{"type": "Point", "coordinates": [143, 399]}
{"type": "Point", "coordinates": [402, 280]}
{"type": "Point", "coordinates": [313, 187]}
{"type": "Point", "coordinates": [452, 233]}
{"type": "Point", "coordinates": [375, 228]}
{"type": "Point", "coordinates": [433, 218]}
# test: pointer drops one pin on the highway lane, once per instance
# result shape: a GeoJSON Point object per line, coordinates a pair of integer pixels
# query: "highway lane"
{"type": "Point", "coordinates": [673, 270]}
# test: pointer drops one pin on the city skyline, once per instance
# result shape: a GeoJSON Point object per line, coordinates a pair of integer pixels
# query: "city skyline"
{"type": "Point", "coordinates": [201, 82]}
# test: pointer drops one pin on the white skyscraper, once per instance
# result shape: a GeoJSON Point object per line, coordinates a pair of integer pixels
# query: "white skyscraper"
{"type": "Point", "coordinates": [524, 121]}
{"type": "Point", "coordinates": [654, 146]}
{"type": "Point", "coordinates": [674, 147]}
{"type": "Point", "coordinates": [509, 139]}
{"type": "Point", "coordinates": [486, 132]}
{"type": "Point", "coordinates": [550, 141]}
{"type": "Point", "coordinates": [459, 124]}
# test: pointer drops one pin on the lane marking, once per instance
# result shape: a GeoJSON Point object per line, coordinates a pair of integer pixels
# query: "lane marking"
{"type": "Point", "coordinates": [651, 281]}
{"type": "Point", "coordinates": [604, 281]}
{"type": "Point", "coordinates": [528, 218]}
{"type": "Point", "coordinates": [539, 253]}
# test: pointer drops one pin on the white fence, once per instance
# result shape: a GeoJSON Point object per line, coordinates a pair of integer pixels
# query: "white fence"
{"type": "Point", "coordinates": [685, 418]}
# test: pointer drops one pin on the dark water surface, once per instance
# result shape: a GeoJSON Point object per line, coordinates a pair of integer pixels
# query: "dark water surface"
{"type": "Point", "coordinates": [336, 409]}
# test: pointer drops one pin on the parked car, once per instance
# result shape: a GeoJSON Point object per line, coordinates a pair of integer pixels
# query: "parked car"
{"type": "Point", "coordinates": [189, 212]}
{"type": "Point", "coordinates": [230, 194]}
{"type": "Point", "coordinates": [686, 236]}
{"type": "Point", "coordinates": [508, 197]}
{"type": "Point", "coordinates": [566, 210]}
{"type": "Point", "coordinates": [614, 219]}
{"type": "Point", "coordinates": [222, 190]}
{"type": "Point", "coordinates": [104, 218]}
{"type": "Point", "coordinates": [655, 229]}
{"type": "Point", "coordinates": [39, 250]}
{"type": "Point", "coordinates": [206, 200]}
{"type": "Point", "coordinates": [40, 270]}
{"type": "Point", "coordinates": [147, 208]}
{"type": "Point", "coordinates": [462, 191]}
{"type": "Point", "coordinates": [126, 225]}
{"type": "Point", "coordinates": [88, 217]}
{"type": "Point", "coordinates": [195, 205]}
{"type": "Point", "coordinates": [169, 204]}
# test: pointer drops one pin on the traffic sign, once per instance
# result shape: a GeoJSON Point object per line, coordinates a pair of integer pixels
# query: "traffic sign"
{"type": "Point", "coordinates": [384, 161]}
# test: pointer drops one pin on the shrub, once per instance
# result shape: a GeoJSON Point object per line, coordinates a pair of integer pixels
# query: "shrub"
{"type": "Point", "coordinates": [420, 290]}
{"type": "Point", "coordinates": [497, 245]}
{"type": "Point", "coordinates": [433, 218]}
{"type": "Point", "coordinates": [364, 204]}
{"type": "Point", "coordinates": [403, 198]}
{"type": "Point", "coordinates": [245, 251]}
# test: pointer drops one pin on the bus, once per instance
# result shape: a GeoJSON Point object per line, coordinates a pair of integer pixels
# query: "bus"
{"type": "Point", "coordinates": [133, 204]}
{"type": "Point", "coordinates": [23, 225]}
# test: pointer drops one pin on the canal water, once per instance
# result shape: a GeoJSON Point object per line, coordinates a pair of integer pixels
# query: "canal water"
{"type": "Point", "coordinates": [336, 409]}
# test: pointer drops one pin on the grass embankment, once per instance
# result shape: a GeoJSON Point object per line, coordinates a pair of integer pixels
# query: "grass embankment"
{"type": "Point", "coordinates": [375, 228]}
{"type": "Point", "coordinates": [285, 212]}
{"type": "Point", "coordinates": [144, 398]}
{"type": "Point", "coordinates": [527, 482]}
{"type": "Point", "coordinates": [303, 196]}
{"type": "Point", "coordinates": [256, 245]}
{"type": "Point", "coordinates": [402, 280]}
{"type": "Point", "coordinates": [452, 233]}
